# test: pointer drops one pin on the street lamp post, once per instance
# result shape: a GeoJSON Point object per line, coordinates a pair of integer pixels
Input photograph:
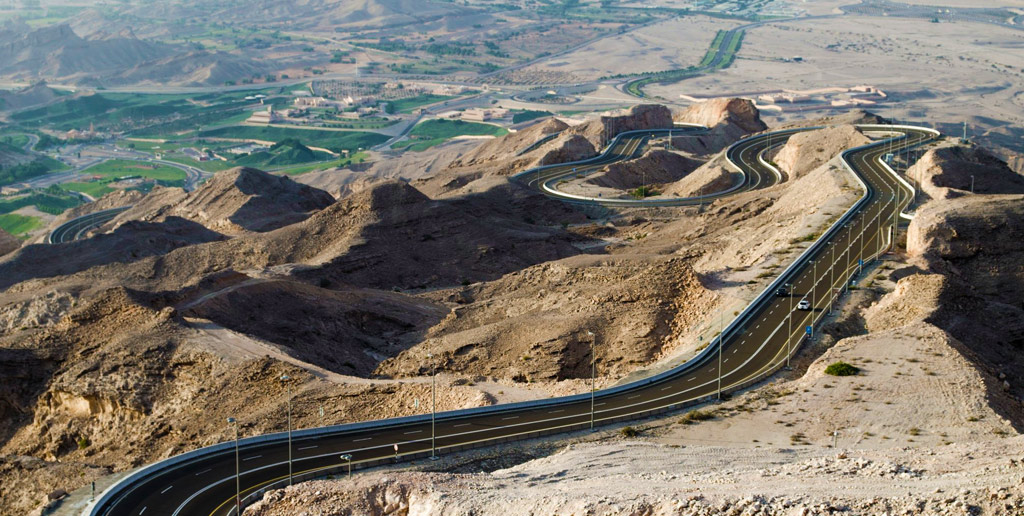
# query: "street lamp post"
{"type": "Point", "coordinates": [433, 407]}
{"type": "Point", "coordinates": [721, 333]}
{"type": "Point", "coordinates": [238, 471]}
{"type": "Point", "coordinates": [789, 337]}
{"type": "Point", "coordinates": [348, 458]}
{"type": "Point", "coordinates": [285, 378]}
{"type": "Point", "coordinates": [593, 376]}
{"type": "Point", "coordinates": [972, 184]}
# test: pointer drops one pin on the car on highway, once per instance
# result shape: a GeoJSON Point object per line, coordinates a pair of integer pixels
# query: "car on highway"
{"type": "Point", "coordinates": [803, 305]}
{"type": "Point", "coordinates": [782, 292]}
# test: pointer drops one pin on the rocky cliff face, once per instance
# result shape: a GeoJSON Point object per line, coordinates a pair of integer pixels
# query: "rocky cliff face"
{"type": "Point", "coordinates": [654, 167]}
{"type": "Point", "coordinates": [233, 201]}
{"type": "Point", "coordinates": [729, 119]}
{"type": "Point", "coordinates": [644, 116]}
{"type": "Point", "coordinates": [807, 151]}
{"type": "Point", "coordinates": [947, 172]}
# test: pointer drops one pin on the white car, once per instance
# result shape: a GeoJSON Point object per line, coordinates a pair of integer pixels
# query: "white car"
{"type": "Point", "coordinates": [803, 305]}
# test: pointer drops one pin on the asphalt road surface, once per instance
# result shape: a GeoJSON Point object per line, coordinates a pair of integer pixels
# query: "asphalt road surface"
{"type": "Point", "coordinates": [758, 344]}
{"type": "Point", "coordinates": [74, 229]}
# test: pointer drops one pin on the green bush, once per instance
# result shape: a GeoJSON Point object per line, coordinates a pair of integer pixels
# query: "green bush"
{"type": "Point", "coordinates": [629, 432]}
{"type": "Point", "coordinates": [82, 442]}
{"type": "Point", "coordinates": [697, 415]}
{"type": "Point", "coordinates": [842, 369]}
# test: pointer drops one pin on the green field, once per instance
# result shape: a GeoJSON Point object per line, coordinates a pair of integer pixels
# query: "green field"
{"type": "Point", "coordinates": [529, 115]}
{"type": "Point", "coordinates": [336, 141]}
{"type": "Point", "coordinates": [435, 132]}
{"type": "Point", "coordinates": [411, 103]}
{"type": "Point", "coordinates": [94, 189]}
{"type": "Point", "coordinates": [120, 168]}
{"type": "Point", "coordinates": [357, 157]}
{"type": "Point", "coordinates": [19, 225]}
{"type": "Point", "coordinates": [732, 46]}
{"type": "Point", "coordinates": [53, 200]}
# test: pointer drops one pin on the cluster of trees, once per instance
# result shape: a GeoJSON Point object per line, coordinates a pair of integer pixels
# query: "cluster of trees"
{"type": "Point", "coordinates": [16, 173]}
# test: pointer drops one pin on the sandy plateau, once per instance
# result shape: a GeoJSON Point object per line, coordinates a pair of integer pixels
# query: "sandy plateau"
{"type": "Point", "coordinates": [135, 344]}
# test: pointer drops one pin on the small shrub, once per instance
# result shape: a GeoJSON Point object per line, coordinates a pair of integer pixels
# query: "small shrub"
{"type": "Point", "coordinates": [842, 369]}
{"type": "Point", "coordinates": [914, 431]}
{"type": "Point", "coordinates": [629, 432]}
{"type": "Point", "coordinates": [697, 415]}
{"type": "Point", "coordinates": [82, 442]}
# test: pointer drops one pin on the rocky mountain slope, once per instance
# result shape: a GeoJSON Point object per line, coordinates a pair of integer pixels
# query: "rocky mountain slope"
{"type": "Point", "coordinates": [947, 172]}
{"type": "Point", "coordinates": [728, 118]}
{"type": "Point", "coordinates": [655, 167]}
{"type": "Point", "coordinates": [806, 151]}
{"type": "Point", "coordinates": [108, 354]}
{"type": "Point", "coordinates": [928, 425]}
{"type": "Point", "coordinates": [233, 201]}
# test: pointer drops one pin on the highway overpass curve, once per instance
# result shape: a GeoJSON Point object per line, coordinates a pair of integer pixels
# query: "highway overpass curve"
{"type": "Point", "coordinates": [756, 173]}
{"type": "Point", "coordinates": [76, 227]}
{"type": "Point", "coordinates": [754, 345]}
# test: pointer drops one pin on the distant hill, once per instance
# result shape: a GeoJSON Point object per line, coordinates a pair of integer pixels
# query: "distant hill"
{"type": "Point", "coordinates": [339, 14]}
{"type": "Point", "coordinates": [283, 153]}
{"type": "Point", "coordinates": [38, 93]}
{"type": "Point", "coordinates": [58, 53]}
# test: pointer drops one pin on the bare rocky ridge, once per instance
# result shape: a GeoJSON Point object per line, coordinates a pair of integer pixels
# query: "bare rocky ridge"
{"type": "Point", "coordinates": [928, 426]}
{"type": "Point", "coordinates": [130, 242]}
{"type": "Point", "coordinates": [946, 172]}
{"type": "Point", "coordinates": [233, 201]}
{"type": "Point", "coordinates": [553, 306]}
{"type": "Point", "coordinates": [500, 283]}
{"type": "Point", "coordinates": [729, 119]}
{"type": "Point", "coordinates": [656, 166]}
{"type": "Point", "coordinates": [342, 330]}
{"type": "Point", "coordinates": [807, 151]}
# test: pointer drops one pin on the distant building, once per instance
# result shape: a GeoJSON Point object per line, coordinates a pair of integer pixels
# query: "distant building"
{"type": "Point", "coordinates": [264, 117]}
{"type": "Point", "coordinates": [483, 115]}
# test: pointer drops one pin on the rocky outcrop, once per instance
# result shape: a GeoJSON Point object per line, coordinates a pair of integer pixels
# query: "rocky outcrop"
{"type": "Point", "coordinates": [979, 239]}
{"type": "Point", "coordinates": [233, 201]}
{"type": "Point", "coordinates": [947, 172]}
{"type": "Point", "coordinates": [654, 167]}
{"type": "Point", "coordinates": [130, 242]}
{"type": "Point", "coordinates": [8, 242]}
{"type": "Point", "coordinates": [806, 151]}
{"type": "Point", "coordinates": [644, 116]}
{"type": "Point", "coordinates": [729, 120]}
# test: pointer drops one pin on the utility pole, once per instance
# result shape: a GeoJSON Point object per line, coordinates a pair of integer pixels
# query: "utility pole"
{"type": "Point", "coordinates": [972, 184]}
{"type": "Point", "coordinates": [284, 379]}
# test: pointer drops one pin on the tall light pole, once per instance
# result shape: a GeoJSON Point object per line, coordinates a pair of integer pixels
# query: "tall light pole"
{"type": "Point", "coordinates": [593, 376]}
{"type": "Point", "coordinates": [433, 407]}
{"type": "Point", "coordinates": [972, 184]}
{"type": "Point", "coordinates": [238, 471]}
{"type": "Point", "coordinates": [348, 457]}
{"type": "Point", "coordinates": [831, 278]}
{"type": "Point", "coordinates": [849, 245]}
{"type": "Point", "coordinates": [721, 333]}
{"type": "Point", "coordinates": [789, 337]}
{"type": "Point", "coordinates": [814, 286]}
{"type": "Point", "coordinates": [284, 379]}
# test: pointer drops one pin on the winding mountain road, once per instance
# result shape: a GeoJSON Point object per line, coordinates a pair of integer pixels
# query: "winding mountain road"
{"type": "Point", "coordinates": [752, 346]}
